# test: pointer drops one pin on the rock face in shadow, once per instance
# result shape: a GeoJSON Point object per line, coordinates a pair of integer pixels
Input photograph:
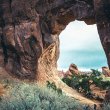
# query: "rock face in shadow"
{"type": "Point", "coordinates": [29, 30]}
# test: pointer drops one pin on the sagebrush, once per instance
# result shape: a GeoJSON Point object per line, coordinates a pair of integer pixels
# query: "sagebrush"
{"type": "Point", "coordinates": [23, 96]}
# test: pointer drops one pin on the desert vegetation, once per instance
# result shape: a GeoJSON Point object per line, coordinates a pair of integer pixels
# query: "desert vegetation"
{"type": "Point", "coordinates": [83, 82]}
{"type": "Point", "coordinates": [53, 87]}
{"type": "Point", "coordinates": [23, 96]}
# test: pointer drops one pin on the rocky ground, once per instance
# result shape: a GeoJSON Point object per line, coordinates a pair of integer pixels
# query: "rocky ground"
{"type": "Point", "coordinates": [67, 90]}
{"type": "Point", "coordinates": [98, 93]}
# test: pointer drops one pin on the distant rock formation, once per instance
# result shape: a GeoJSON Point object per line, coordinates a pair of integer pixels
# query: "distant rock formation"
{"type": "Point", "coordinates": [73, 69]}
{"type": "Point", "coordinates": [106, 71]}
{"type": "Point", "coordinates": [29, 30]}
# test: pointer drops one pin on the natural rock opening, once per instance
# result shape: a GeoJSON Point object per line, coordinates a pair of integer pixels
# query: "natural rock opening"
{"type": "Point", "coordinates": [29, 35]}
{"type": "Point", "coordinates": [80, 44]}
{"type": "Point", "coordinates": [28, 58]}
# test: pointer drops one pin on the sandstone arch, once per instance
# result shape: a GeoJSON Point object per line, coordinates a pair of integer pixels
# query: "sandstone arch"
{"type": "Point", "coordinates": [29, 32]}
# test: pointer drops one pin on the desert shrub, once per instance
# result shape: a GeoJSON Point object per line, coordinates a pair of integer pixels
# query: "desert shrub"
{"type": "Point", "coordinates": [105, 84]}
{"type": "Point", "coordinates": [24, 96]}
{"type": "Point", "coordinates": [95, 72]}
{"type": "Point", "coordinates": [98, 80]}
{"type": "Point", "coordinates": [106, 106]}
{"type": "Point", "coordinates": [83, 82]}
{"type": "Point", "coordinates": [67, 81]}
{"type": "Point", "coordinates": [53, 86]}
{"type": "Point", "coordinates": [79, 82]}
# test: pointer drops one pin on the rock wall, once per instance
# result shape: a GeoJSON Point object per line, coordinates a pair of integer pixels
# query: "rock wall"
{"type": "Point", "coordinates": [29, 30]}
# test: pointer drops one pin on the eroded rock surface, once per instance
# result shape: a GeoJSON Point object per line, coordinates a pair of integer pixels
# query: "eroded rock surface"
{"type": "Point", "coordinates": [106, 71]}
{"type": "Point", "coordinates": [29, 31]}
{"type": "Point", "coordinates": [74, 69]}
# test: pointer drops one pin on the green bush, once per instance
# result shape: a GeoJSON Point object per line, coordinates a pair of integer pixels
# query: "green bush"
{"type": "Point", "coordinates": [79, 82]}
{"type": "Point", "coordinates": [53, 86]}
{"type": "Point", "coordinates": [83, 82]}
{"type": "Point", "coordinates": [22, 96]}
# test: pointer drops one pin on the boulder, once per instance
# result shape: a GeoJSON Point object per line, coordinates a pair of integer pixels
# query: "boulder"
{"type": "Point", "coordinates": [73, 69]}
{"type": "Point", "coordinates": [106, 71]}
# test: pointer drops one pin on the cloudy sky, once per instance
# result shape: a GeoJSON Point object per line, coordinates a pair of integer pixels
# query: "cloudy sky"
{"type": "Point", "coordinates": [80, 44]}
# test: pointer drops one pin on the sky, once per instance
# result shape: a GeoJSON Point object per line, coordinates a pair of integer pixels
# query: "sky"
{"type": "Point", "coordinates": [80, 44]}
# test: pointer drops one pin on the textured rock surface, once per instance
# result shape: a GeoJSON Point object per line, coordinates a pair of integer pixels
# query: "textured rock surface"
{"type": "Point", "coordinates": [73, 69]}
{"type": "Point", "coordinates": [106, 71]}
{"type": "Point", "coordinates": [29, 32]}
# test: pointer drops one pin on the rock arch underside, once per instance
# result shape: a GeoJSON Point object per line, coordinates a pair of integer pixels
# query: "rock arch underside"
{"type": "Point", "coordinates": [29, 30]}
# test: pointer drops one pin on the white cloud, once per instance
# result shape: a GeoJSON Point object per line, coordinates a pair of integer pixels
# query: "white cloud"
{"type": "Point", "coordinates": [80, 44]}
{"type": "Point", "coordinates": [78, 35]}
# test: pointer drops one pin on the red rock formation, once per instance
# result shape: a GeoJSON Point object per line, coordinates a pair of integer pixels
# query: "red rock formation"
{"type": "Point", "coordinates": [106, 71]}
{"type": "Point", "coordinates": [29, 32]}
{"type": "Point", "coordinates": [73, 69]}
